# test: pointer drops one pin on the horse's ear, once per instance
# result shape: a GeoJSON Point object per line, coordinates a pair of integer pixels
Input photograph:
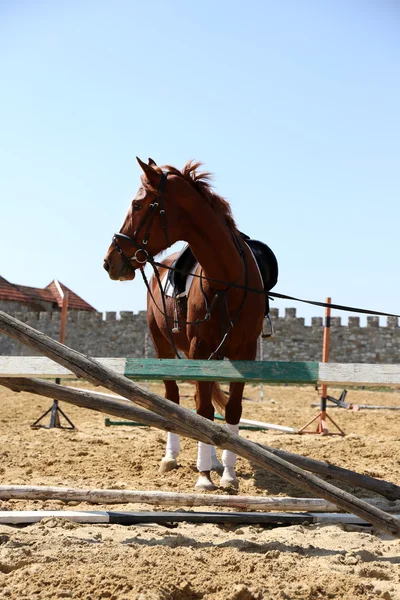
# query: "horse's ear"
{"type": "Point", "coordinates": [148, 170]}
{"type": "Point", "coordinates": [152, 162]}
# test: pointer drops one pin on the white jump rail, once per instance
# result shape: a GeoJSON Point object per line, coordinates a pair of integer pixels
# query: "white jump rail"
{"type": "Point", "coordinates": [27, 517]}
{"type": "Point", "coordinates": [373, 375]}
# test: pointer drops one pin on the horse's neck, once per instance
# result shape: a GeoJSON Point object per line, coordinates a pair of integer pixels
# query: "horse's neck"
{"type": "Point", "coordinates": [214, 247]}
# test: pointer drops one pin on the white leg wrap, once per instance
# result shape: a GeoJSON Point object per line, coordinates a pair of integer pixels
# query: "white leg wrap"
{"type": "Point", "coordinates": [173, 445]}
{"type": "Point", "coordinates": [204, 457]}
{"type": "Point", "coordinates": [228, 457]}
{"type": "Point", "coordinates": [216, 465]}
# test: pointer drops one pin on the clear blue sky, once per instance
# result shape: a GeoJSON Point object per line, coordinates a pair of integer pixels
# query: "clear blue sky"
{"type": "Point", "coordinates": [293, 105]}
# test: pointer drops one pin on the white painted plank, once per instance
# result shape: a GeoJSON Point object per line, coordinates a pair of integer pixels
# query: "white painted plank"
{"type": "Point", "coordinates": [340, 518]}
{"type": "Point", "coordinates": [39, 366]}
{"type": "Point", "coordinates": [14, 517]}
{"type": "Point", "coordinates": [329, 373]}
{"type": "Point", "coordinates": [262, 425]}
{"type": "Point", "coordinates": [359, 374]}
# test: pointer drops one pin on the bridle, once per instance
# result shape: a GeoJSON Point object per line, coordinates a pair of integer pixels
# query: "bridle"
{"type": "Point", "coordinates": [158, 207]}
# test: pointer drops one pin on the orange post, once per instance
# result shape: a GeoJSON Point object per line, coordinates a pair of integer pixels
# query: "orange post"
{"type": "Point", "coordinates": [323, 416]}
{"type": "Point", "coordinates": [322, 427]}
{"type": "Point", "coordinates": [55, 417]}
{"type": "Point", "coordinates": [64, 311]}
{"type": "Point", "coordinates": [55, 410]}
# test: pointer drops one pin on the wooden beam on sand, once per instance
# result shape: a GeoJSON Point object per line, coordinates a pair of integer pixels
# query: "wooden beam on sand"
{"type": "Point", "coordinates": [119, 407]}
{"type": "Point", "coordinates": [197, 427]}
{"type": "Point", "coordinates": [157, 498]}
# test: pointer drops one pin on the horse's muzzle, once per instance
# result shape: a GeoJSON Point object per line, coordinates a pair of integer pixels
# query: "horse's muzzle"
{"type": "Point", "coordinates": [121, 273]}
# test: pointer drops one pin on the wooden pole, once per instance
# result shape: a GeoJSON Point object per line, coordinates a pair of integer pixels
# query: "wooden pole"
{"type": "Point", "coordinates": [199, 427]}
{"type": "Point", "coordinates": [157, 498]}
{"type": "Point", "coordinates": [119, 407]}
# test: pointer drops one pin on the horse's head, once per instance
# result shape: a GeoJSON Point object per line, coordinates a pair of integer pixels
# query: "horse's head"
{"type": "Point", "coordinates": [149, 226]}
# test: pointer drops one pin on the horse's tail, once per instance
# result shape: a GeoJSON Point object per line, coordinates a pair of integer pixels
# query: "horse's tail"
{"type": "Point", "coordinates": [219, 398]}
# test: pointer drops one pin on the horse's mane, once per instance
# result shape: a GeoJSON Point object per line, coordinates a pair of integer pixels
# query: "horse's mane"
{"type": "Point", "coordinates": [201, 183]}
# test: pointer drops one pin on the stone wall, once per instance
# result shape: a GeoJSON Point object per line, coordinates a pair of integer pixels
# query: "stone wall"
{"type": "Point", "coordinates": [95, 335]}
{"type": "Point", "coordinates": [350, 343]}
{"type": "Point", "coordinates": [87, 332]}
{"type": "Point", "coordinates": [12, 307]}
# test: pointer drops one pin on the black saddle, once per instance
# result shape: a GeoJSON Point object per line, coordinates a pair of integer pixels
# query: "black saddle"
{"type": "Point", "coordinates": [263, 254]}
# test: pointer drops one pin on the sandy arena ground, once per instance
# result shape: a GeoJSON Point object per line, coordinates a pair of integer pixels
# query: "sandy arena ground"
{"type": "Point", "coordinates": [61, 559]}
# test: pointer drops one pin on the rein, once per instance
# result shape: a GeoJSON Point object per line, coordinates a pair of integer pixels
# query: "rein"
{"type": "Point", "coordinates": [147, 257]}
{"type": "Point", "coordinates": [273, 295]}
{"type": "Point", "coordinates": [148, 219]}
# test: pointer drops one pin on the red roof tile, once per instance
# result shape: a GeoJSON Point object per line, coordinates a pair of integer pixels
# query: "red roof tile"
{"type": "Point", "coordinates": [74, 301]}
{"type": "Point", "coordinates": [43, 295]}
{"type": "Point", "coordinates": [51, 293]}
{"type": "Point", "coordinates": [8, 291]}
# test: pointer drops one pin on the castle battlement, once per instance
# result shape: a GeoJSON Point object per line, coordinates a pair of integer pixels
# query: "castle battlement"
{"type": "Point", "coordinates": [124, 334]}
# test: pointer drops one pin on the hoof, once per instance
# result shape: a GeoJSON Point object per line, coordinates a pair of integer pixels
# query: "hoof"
{"type": "Point", "coordinates": [216, 465]}
{"type": "Point", "coordinates": [168, 463]}
{"type": "Point", "coordinates": [204, 482]}
{"type": "Point", "coordinates": [229, 478]}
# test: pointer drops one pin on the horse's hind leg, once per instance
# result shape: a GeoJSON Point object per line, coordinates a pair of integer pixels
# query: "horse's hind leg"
{"type": "Point", "coordinates": [233, 413]}
{"type": "Point", "coordinates": [172, 450]}
{"type": "Point", "coordinates": [205, 452]}
{"type": "Point", "coordinates": [216, 464]}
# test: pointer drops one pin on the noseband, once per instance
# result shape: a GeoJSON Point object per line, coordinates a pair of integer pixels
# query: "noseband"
{"type": "Point", "coordinates": [158, 206]}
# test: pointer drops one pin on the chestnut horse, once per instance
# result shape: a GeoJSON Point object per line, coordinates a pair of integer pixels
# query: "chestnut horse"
{"type": "Point", "coordinates": [219, 318]}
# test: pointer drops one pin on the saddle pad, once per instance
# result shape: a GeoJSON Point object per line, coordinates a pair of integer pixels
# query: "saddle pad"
{"type": "Point", "coordinates": [255, 260]}
{"type": "Point", "coordinates": [168, 287]}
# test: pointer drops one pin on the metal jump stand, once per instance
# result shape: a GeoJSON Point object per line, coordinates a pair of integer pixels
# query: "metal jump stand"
{"type": "Point", "coordinates": [54, 410]}
{"type": "Point", "coordinates": [322, 417]}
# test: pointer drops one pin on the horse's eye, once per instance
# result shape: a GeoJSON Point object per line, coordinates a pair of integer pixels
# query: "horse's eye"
{"type": "Point", "coordinates": [137, 206]}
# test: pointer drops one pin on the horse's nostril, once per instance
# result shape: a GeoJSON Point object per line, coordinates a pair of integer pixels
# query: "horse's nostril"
{"type": "Point", "coordinates": [106, 265]}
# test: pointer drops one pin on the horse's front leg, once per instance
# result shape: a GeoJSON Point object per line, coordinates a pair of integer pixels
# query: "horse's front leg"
{"type": "Point", "coordinates": [169, 461]}
{"type": "Point", "coordinates": [233, 413]}
{"type": "Point", "coordinates": [206, 456]}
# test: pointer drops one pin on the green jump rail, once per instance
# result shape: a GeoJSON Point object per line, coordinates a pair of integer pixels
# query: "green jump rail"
{"type": "Point", "coordinates": [224, 371]}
